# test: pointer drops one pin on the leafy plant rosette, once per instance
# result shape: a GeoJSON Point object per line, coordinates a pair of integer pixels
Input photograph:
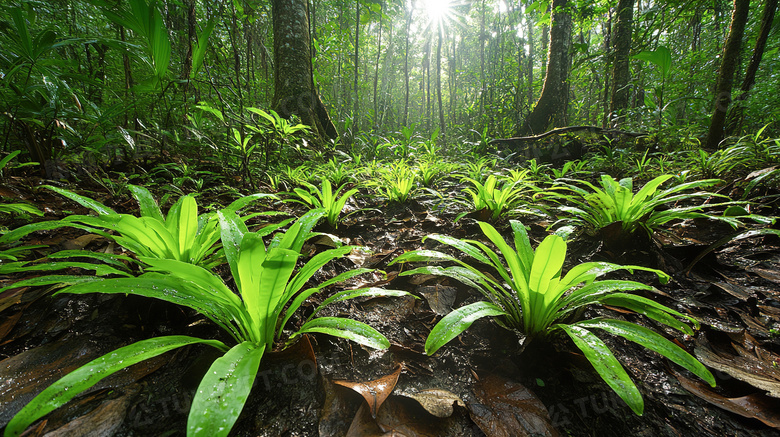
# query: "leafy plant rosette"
{"type": "Point", "coordinates": [615, 202]}
{"type": "Point", "coordinates": [182, 234]}
{"type": "Point", "coordinates": [533, 297]}
{"type": "Point", "coordinates": [268, 294]}
{"type": "Point", "coordinates": [494, 198]}
{"type": "Point", "coordinates": [332, 201]}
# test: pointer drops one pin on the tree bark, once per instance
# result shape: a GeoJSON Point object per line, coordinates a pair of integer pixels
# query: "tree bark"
{"type": "Point", "coordinates": [550, 109]}
{"type": "Point", "coordinates": [726, 76]}
{"type": "Point", "coordinates": [736, 113]}
{"type": "Point", "coordinates": [356, 115]}
{"type": "Point", "coordinates": [620, 71]}
{"type": "Point", "coordinates": [294, 91]}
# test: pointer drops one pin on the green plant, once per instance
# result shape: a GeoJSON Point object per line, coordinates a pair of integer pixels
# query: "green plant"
{"type": "Point", "coordinates": [494, 198]}
{"type": "Point", "coordinates": [396, 184]}
{"type": "Point", "coordinates": [615, 202]}
{"type": "Point", "coordinates": [182, 235]}
{"type": "Point", "coordinates": [324, 198]}
{"type": "Point", "coordinates": [535, 169]}
{"type": "Point", "coordinates": [480, 169]}
{"type": "Point", "coordinates": [569, 168]}
{"type": "Point", "coordinates": [268, 294]}
{"type": "Point", "coordinates": [535, 298]}
{"type": "Point", "coordinates": [338, 172]}
{"type": "Point", "coordinates": [430, 171]}
{"type": "Point", "coordinates": [281, 129]}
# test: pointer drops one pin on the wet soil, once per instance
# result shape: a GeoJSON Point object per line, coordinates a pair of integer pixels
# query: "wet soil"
{"type": "Point", "coordinates": [479, 384]}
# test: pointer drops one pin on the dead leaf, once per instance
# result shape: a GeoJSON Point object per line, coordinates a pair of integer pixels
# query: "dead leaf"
{"type": "Point", "coordinates": [436, 401]}
{"type": "Point", "coordinates": [363, 425]}
{"type": "Point", "coordinates": [747, 362]}
{"type": "Point", "coordinates": [769, 275]}
{"type": "Point", "coordinates": [102, 421]}
{"type": "Point", "coordinates": [439, 297]}
{"type": "Point", "coordinates": [508, 409]}
{"type": "Point", "coordinates": [336, 412]}
{"type": "Point", "coordinates": [755, 406]}
{"type": "Point", "coordinates": [374, 392]}
{"type": "Point", "coordinates": [81, 242]}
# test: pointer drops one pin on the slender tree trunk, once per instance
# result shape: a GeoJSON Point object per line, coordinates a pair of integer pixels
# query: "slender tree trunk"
{"type": "Point", "coordinates": [376, 69]}
{"type": "Point", "coordinates": [406, 65]}
{"type": "Point", "coordinates": [236, 55]}
{"type": "Point", "coordinates": [607, 67]}
{"type": "Point", "coordinates": [736, 113]}
{"type": "Point", "coordinates": [550, 109]}
{"type": "Point", "coordinates": [482, 78]}
{"type": "Point", "coordinates": [530, 69]}
{"type": "Point", "coordinates": [356, 110]}
{"type": "Point", "coordinates": [293, 81]}
{"type": "Point", "coordinates": [728, 65]}
{"type": "Point", "coordinates": [438, 81]}
{"type": "Point", "coordinates": [621, 51]}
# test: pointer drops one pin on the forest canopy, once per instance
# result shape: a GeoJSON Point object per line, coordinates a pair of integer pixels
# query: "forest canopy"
{"type": "Point", "coordinates": [98, 81]}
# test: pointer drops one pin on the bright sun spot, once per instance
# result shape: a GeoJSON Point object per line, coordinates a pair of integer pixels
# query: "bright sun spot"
{"type": "Point", "coordinates": [437, 10]}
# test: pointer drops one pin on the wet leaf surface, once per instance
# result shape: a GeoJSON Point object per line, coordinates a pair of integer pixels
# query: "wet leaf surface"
{"type": "Point", "coordinates": [732, 291]}
{"type": "Point", "coordinates": [374, 392]}
{"type": "Point", "coordinates": [505, 408]}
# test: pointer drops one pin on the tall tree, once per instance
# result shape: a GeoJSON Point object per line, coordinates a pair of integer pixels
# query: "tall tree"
{"type": "Point", "coordinates": [736, 113]}
{"type": "Point", "coordinates": [728, 65]}
{"type": "Point", "coordinates": [550, 109]}
{"type": "Point", "coordinates": [294, 91]}
{"type": "Point", "coordinates": [621, 51]}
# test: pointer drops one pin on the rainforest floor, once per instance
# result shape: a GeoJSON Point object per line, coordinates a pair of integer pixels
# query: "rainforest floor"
{"type": "Point", "coordinates": [478, 384]}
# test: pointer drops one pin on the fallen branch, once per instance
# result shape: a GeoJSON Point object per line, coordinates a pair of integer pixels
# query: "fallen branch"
{"type": "Point", "coordinates": [563, 130]}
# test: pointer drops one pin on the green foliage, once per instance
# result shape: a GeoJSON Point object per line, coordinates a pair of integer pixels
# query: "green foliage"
{"type": "Point", "coordinates": [146, 21]}
{"type": "Point", "coordinates": [494, 198]}
{"type": "Point", "coordinates": [397, 183]}
{"type": "Point", "coordinates": [268, 294]}
{"type": "Point", "coordinates": [533, 297]}
{"type": "Point", "coordinates": [614, 201]}
{"type": "Point", "coordinates": [324, 198]}
{"type": "Point", "coordinates": [182, 235]}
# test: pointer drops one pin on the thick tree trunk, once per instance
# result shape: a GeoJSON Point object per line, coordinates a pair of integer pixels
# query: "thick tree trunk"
{"type": "Point", "coordinates": [550, 109]}
{"type": "Point", "coordinates": [621, 51]}
{"type": "Point", "coordinates": [726, 76]}
{"type": "Point", "coordinates": [294, 91]}
{"type": "Point", "coordinates": [736, 113]}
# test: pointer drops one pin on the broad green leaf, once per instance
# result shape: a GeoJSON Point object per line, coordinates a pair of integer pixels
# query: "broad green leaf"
{"type": "Point", "coordinates": [62, 280]}
{"type": "Point", "coordinates": [223, 391]}
{"type": "Point", "coordinates": [277, 269]}
{"type": "Point", "coordinates": [454, 323]}
{"type": "Point", "coordinates": [83, 201]}
{"type": "Point", "coordinates": [93, 372]}
{"type": "Point", "coordinates": [461, 245]}
{"type": "Point", "coordinates": [199, 49]}
{"type": "Point", "coordinates": [607, 366]}
{"type": "Point", "coordinates": [346, 328]}
{"type": "Point", "coordinates": [313, 265]}
{"type": "Point", "coordinates": [650, 308]}
{"type": "Point", "coordinates": [548, 261]}
{"type": "Point", "coordinates": [232, 231]}
{"type": "Point", "coordinates": [653, 341]}
{"type": "Point", "coordinates": [146, 202]}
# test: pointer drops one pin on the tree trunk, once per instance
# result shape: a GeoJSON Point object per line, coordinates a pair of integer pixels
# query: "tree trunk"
{"type": "Point", "coordinates": [406, 65]}
{"type": "Point", "coordinates": [294, 91]}
{"type": "Point", "coordinates": [438, 81]}
{"type": "Point", "coordinates": [550, 109]}
{"type": "Point", "coordinates": [736, 113]}
{"type": "Point", "coordinates": [356, 114]}
{"type": "Point", "coordinates": [726, 76]}
{"type": "Point", "coordinates": [621, 50]}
